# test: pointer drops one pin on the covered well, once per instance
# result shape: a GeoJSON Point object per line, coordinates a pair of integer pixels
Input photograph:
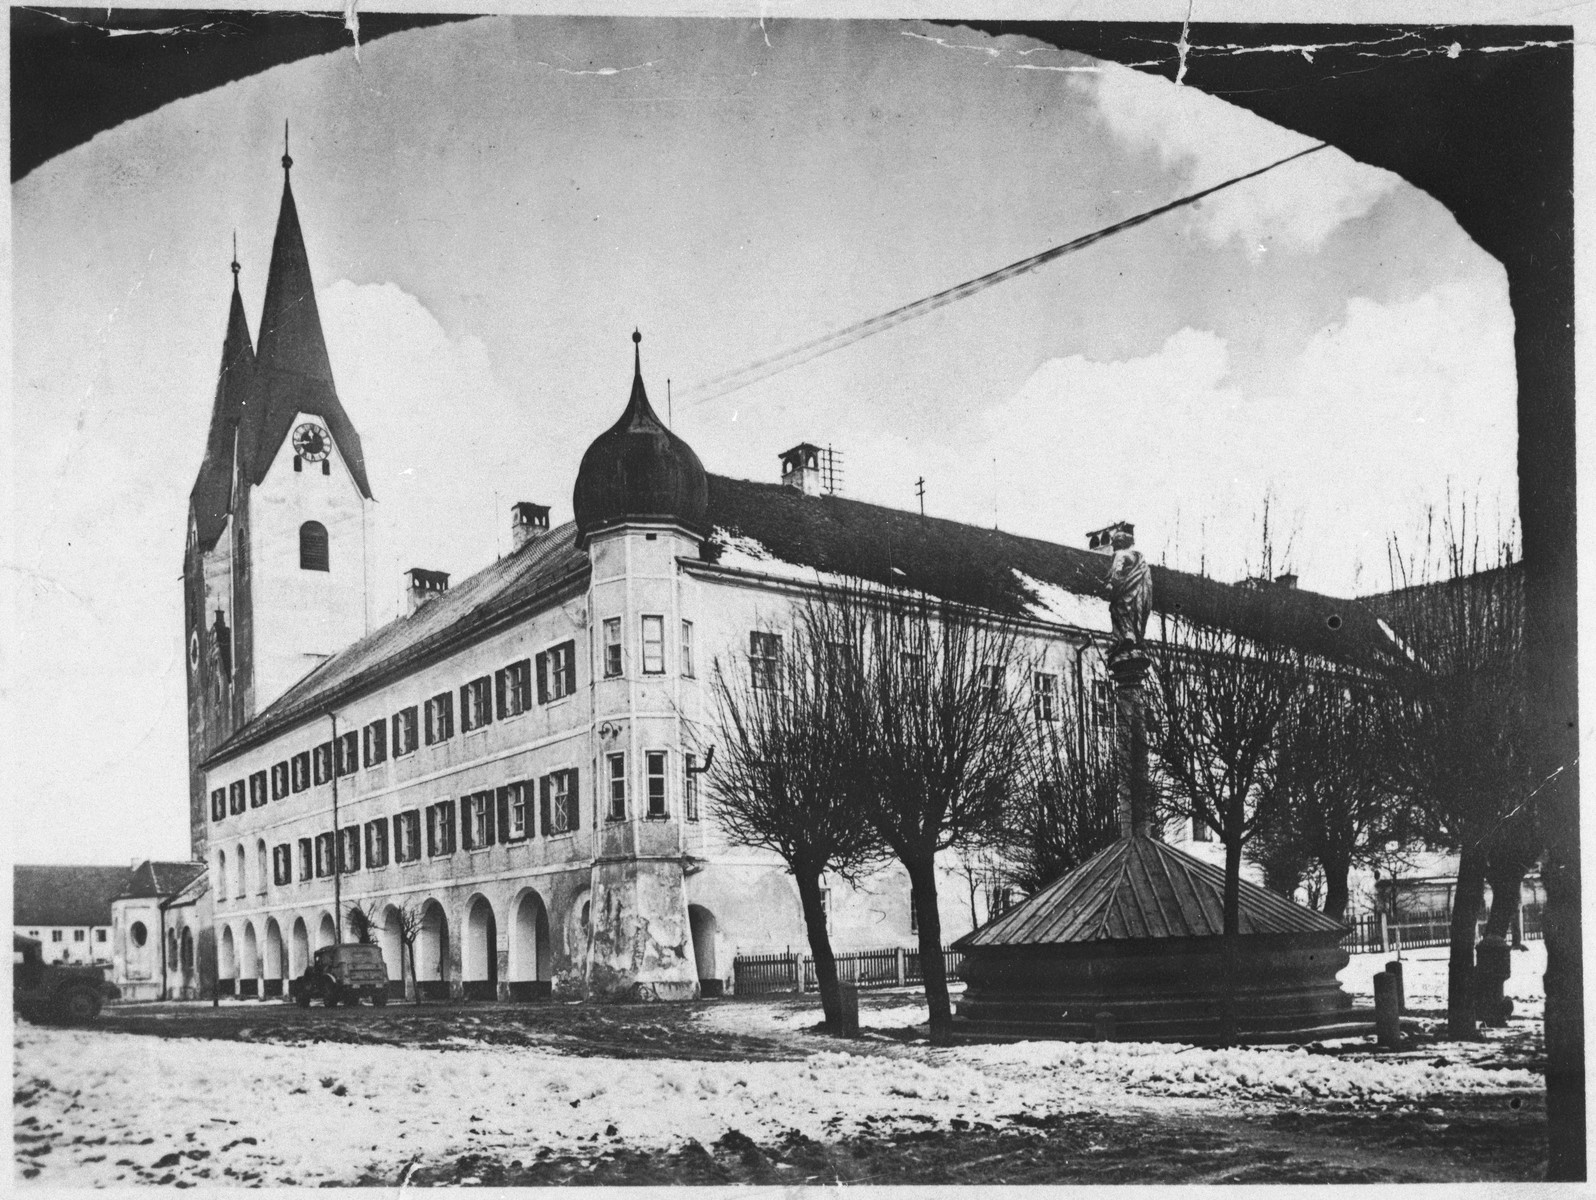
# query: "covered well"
{"type": "Point", "coordinates": [1136, 933]}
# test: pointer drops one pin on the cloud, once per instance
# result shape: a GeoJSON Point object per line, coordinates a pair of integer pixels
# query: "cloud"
{"type": "Point", "coordinates": [438, 430]}
{"type": "Point", "coordinates": [1299, 205]}
{"type": "Point", "coordinates": [1372, 420]}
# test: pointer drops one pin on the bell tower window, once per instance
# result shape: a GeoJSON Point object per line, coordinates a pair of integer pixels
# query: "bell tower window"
{"type": "Point", "coordinates": [313, 546]}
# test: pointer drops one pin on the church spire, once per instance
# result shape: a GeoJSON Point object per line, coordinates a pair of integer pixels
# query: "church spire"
{"type": "Point", "coordinates": [293, 372]}
{"type": "Point", "coordinates": [211, 499]}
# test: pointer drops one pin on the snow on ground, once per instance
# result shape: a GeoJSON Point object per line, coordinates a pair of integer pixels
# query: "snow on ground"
{"type": "Point", "coordinates": [1065, 607]}
{"type": "Point", "coordinates": [1424, 978]}
{"type": "Point", "coordinates": [281, 1114]}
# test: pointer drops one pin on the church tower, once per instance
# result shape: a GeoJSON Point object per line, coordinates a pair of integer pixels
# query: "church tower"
{"type": "Point", "coordinates": [274, 574]}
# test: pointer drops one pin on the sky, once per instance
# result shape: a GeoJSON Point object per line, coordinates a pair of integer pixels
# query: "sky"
{"type": "Point", "coordinates": [491, 207]}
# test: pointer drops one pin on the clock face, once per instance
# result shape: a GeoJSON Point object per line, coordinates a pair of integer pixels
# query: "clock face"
{"type": "Point", "coordinates": [193, 650]}
{"type": "Point", "coordinates": [310, 442]}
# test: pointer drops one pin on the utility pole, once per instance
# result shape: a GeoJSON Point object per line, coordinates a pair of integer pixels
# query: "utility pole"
{"type": "Point", "coordinates": [337, 856]}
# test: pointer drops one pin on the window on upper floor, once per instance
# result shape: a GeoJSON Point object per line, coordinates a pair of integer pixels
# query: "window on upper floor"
{"type": "Point", "coordinates": [282, 864]}
{"type": "Point", "coordinates": [439, 713]}
{"type": "Point", "coordinates": [307, 861]}
{"type": "Point", "coordinates": [240, 871]}
{"type": "Point", "coordinates": [655, 761]}
{"type": "Point", "coordinates": [299, 771]}
{"type": "Point", "coordinates": [404, 731]}
{"type": "Point", "coordinates": [235, 797]}
{"type": "Point", "coordinates": [687, 649]}
{"type": "Point", "coordinates": [476, 704]}
{"type": "Point", "coordinates": [764, 658]}
{"type": "Point", "coordinates": [324, 855]}
{"type": "Point", "coordinates": [57, 935]}
{"type": "Point", "coordinates": [690, 786]}
{"type": "Point", "coordinates": [279, 780]}
{"type": "Point", "coordinates": [377, 843]}
{"type": "Point", "coordinates": [79, 935]}
{"type": "Point", "coordinates": [321, 759]}
{"type": "Point", "coordinates": [557, 672]}
{"type": "Point", "coordinates": [440, 828]}
{"type": "Point", "coordinates": [218, 804]}
{"type": "Point", "coordinates": [221, 874]}
{"type": "Point", "coordinates": [257, 790]}
{"type": "Point", "coordinates": [313, 546]}
{"type": "Point", "coordinates": [347, 754]}
{"type": "Point", "coordinates": [612, 647]}
{"type": "Point", "coordinates": [653, 645]}
{"type": "Point", "coordinates": [515, 811]}
{"type": "Point", "coordinates": [617, 781]}
{"type": "Point", "coordinates": [1201, 831]}
{"type": "Point", "coordinates": [260, 867]}
{"type": "Point", "coordinates": [99, 935]}
{"type": "Point", "coordinates": [992, 681]}
{"type": "Point", "coordinates": [1105, 709]}
{"type": "Point", "coordinates": [407, 836]}
{"type": "Point", "coordinates": [375, 738]}
{"type": "Point", "coordinates": [349, 849]}
{"type": "Point", "coordinates": [1044, 695]}
{"type": "Point", "coordinates": [512, 688]}
{"type": "Point", "coordinates": [476, 821]}
{"type": "Point", "coordinates": [561, 810]}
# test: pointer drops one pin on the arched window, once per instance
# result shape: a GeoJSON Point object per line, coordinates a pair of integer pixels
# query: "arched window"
{"type": "Point", "coordinates": [313, 546]}
{"type": "Point", "coordinates": [139, 933]}
{"type": "Point", "coordinates": [185, 950]}
{"type": "Point", "coordinates": [221, 874]}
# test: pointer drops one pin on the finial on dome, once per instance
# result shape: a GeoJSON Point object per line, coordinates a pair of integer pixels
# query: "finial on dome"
{"type": "Point", "coordinates": [287, 162]}
{"type": "Point", "coordinates": [637, 336]}
{"type": "Point", "coordinates": [235, 254]}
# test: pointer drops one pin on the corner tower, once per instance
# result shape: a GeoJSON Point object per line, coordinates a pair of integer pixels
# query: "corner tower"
{"type": "Point", "coordinates": [276, 570]}
{"type": "Point", "coordinates": [641, 502]}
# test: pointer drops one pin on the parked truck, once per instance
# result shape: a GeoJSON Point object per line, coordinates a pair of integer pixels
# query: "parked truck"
{"type": "Point", "coordinates": [345, 974]}
{"type": "Point", "coordinates": [42, 991]}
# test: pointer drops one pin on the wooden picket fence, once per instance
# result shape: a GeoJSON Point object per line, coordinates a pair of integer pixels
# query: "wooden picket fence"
{"type": "Point", "coordinates": [1365, 934]}
{"type": "Point", "coordinates": [763, 974]}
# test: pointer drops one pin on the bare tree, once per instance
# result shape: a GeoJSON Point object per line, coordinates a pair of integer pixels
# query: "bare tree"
{"type": "Point", "coordinates": [785, 779]}
{"type": "Point", "coordinates": [363, 922]}
{"type": "Point", "coordinates": [1221, 699]}
{"type": "Point", "coordinates": [1462, 723]}
{"type": "Point", "coordinates": [941, 725]}
{"type": "Point", "coordinates": [1330, 801]}
{"type": "Point", "coordinates": [1070, 811]}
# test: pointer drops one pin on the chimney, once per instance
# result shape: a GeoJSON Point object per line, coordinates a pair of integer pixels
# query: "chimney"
{"type": "Point", "coordinates": [528, 522]}
{"type": "Point", "coordinates": [1287, 580]}
{"type": "Point", "coordinates": [802, 467]}
{"type": "Point", "coordinates": [424, 586]}
{"type": "Point", "coordinates": [1102, 540]}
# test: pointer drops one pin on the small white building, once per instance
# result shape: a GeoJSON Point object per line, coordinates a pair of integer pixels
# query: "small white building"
{"type": "Point", "coordinates": [152, 946]}
{"type": "Point", "coordinates": [67, 910]}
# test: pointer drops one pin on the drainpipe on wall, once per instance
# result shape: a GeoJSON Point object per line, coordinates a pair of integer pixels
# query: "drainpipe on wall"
{"type": "Point", "coordinates": [160, 907]}
{"type": "Point", "coordinates": [337, 858]}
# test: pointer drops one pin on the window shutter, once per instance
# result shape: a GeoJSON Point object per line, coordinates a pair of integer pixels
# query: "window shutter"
{"type": "Point", "coordinates": [465, 823]}
{"type": "Point", "coordinates": [543, 678]}
{"type": "Point", "coordinates": [576, 805]}
{"type": "Point", "coordinates": [503, 797]}
{"type": "Point", "coordinates": [465, 707]}
{"type": "Point", "coordinates": [568, 667]}
{"type": "Point", "coordinates": [543, 804]}
{"type": "Point", "coordinates": [500, 677]}
{"type": "Point", "coordinates": [487, 803]}
{"type": "Point", "coordinates": [432, 832]}
{"type": "Point", "coordinates": [431, 735]}
{"type": "Point", "coordinates": [398, 822]}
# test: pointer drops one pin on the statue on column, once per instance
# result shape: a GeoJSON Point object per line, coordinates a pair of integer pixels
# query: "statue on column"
{"type": "Point", "coordinates": [1130, 592]}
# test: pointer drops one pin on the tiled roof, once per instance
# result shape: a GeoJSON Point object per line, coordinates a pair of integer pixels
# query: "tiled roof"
{"type": "Point", "coordinates": [978, 566]}
{"type": "Point", "coordinates": [1141, 888]}
{"type": "Point", "coordinates": [151, 878]}
{"type": "Point", "coordinates": [522, 579]}
{"type": "Point", "coordinates": [53, 895]}
{"type": "Point", "coordinates": [829, 534]}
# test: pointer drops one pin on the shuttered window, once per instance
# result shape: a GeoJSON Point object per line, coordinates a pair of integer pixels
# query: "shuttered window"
{"type": "Point", "coordinates": [440, 718]}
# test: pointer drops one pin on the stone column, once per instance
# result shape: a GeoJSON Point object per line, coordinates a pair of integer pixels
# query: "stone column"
{"type": "Point", "coordinates": [1128, 663]}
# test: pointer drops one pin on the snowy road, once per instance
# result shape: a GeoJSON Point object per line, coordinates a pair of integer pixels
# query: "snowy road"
{"type": "Point", "coordinates": [96, 1107]}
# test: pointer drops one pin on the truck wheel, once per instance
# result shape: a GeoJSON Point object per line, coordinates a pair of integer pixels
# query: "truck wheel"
{"type": "Point", "coordinates": [79, 1004]}
{"type": "Point", "coordinates": [333, 997]}
{"type": "Point", "coordinates": [380, 1000]}
{"type": "Point", "coordinates": [302, 997]}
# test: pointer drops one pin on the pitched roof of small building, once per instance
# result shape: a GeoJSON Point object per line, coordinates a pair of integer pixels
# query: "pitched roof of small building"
{"type": "Point", "coordinates": [65, 895]}
{"type": "Point", "coordinates": [151, 878]}
{"type": "Point", "coordinates": [1141, 888]}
